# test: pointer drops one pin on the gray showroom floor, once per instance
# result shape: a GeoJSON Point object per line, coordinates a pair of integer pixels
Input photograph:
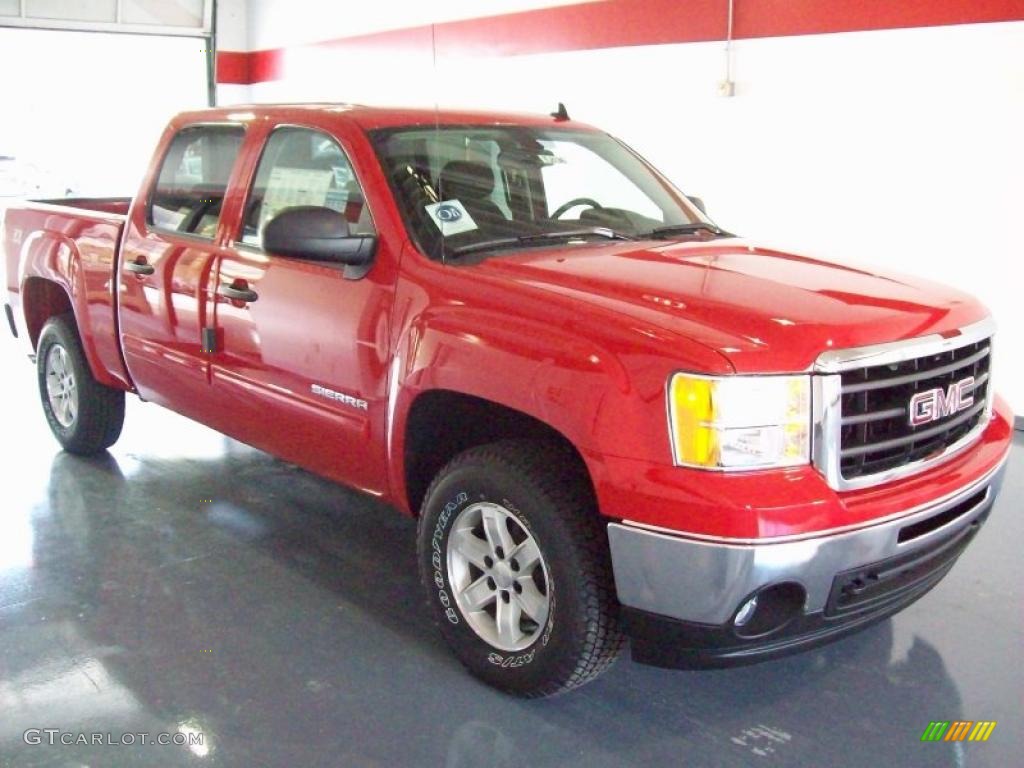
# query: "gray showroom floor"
{"type": "Point", "coordinates": [186, 583]}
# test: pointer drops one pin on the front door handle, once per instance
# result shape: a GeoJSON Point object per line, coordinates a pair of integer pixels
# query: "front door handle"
{"type": "Point", "coordinates": [239, 292]}
{"type": "Point", "coordinates": [139, 266]}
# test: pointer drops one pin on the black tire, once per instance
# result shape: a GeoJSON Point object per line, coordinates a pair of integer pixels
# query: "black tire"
{"type": "Point", "coordinates": [97, 420]}
{"type": "Point", "coordinates": [540, 486]}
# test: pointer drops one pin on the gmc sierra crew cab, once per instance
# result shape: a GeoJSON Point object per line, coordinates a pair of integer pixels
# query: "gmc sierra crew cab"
{"type": "Point", "coordinates": [611, 417]}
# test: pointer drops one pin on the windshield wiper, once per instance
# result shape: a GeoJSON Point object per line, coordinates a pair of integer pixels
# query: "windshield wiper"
{"type": "Point", "coordinates": [544, 237]}
{"type": "Point", "coordinates": [686, 229]}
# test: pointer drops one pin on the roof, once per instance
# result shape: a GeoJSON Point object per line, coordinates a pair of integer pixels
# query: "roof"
{"type": "Point", "coordinates": [370, 118]}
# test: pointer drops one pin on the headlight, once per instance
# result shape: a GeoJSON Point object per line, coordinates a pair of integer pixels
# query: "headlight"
{"type": "Point", "coordinates": [740, 422]}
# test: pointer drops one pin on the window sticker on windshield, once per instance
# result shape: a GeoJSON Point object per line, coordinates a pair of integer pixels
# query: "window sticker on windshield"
{"type": "Point", "coordinates": [451, 217]}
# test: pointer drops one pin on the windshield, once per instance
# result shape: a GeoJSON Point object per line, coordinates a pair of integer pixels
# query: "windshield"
{"type": "Point", "coordinates": [462, 188]}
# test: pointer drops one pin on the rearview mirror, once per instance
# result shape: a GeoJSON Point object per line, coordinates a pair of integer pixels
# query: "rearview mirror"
{"type": "Point", "coordinates": [318, 234]}
{"type": "Point", "coordinates": [697, 202]}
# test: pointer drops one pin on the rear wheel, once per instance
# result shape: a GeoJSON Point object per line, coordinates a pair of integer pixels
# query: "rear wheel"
{"type": "Point", "coordinates": [516, 567]}
{"type": "Point", "coordinates": [85, 416]}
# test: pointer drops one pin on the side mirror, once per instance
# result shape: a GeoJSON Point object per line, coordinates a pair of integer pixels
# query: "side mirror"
{"type": "Point", "coordinates": [697, 202]}
{"type": "Point", "coordinates": [316, 233]}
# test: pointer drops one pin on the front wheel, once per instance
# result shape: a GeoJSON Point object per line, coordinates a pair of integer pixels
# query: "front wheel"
{"type": "Point", "coordinates": [85, 416]}
{"type": "Point", "coordinates": [516, 567]}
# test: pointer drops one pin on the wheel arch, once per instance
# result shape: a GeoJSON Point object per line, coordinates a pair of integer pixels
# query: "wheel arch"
{"type": "Point", "coordinates": [65, 262]}
{"type": "Point", "coordinates": [43, 298]}
{"type": "Point", "coordinates": [442, 423]}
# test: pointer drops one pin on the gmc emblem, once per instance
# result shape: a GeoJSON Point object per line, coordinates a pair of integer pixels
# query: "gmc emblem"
{"type": "Point", "coordinates": [935, 404]}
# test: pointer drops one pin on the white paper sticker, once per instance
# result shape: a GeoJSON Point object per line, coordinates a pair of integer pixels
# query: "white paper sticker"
{"type": "Point", "coordinates": [164, 218]}
{"type": "Point", "coordinates": [451, 217]}
{"type": "Point", "coordinates": [294, 186]}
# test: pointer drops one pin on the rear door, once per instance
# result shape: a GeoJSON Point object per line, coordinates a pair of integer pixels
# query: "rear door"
{"type": "Point", "coordinates": [166, 267]}
{"type": "Point", "coordinates": [302, 350]}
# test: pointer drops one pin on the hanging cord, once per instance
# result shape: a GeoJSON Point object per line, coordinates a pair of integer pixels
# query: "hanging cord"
{"type": "Point", "coordinates": [727, 87]}
{"type": "Point", "coordinates": [211, 59]}
{"type": "Point", "coordinates": [437, 120]}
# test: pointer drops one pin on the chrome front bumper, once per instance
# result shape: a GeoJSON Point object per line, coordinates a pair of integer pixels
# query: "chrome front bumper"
{"type": "Point", "coordinates": [706, 582]}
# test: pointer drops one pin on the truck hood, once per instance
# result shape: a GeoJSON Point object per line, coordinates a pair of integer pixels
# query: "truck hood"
{"type": "Point", "coordinates": [765, 310]}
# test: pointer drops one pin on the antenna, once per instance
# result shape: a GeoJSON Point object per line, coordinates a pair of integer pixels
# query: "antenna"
{"type": "Point", "coordinates": [560, 114]}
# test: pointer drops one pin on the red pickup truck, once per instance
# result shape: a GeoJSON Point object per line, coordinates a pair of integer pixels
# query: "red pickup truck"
{"type": "Point", "coordinates": [611, 417]}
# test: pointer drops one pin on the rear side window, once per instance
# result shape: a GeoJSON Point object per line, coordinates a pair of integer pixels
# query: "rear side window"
{"type": "Point", "coordinates": [300, 166]}
{"type": "Point", "coordinates": [193, 179]}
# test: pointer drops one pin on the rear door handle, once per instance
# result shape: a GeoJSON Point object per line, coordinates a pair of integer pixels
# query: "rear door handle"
{"type": "Point", "coordinates": [238, 293]}
{"type": "Point", "coordinates": [139, 266]}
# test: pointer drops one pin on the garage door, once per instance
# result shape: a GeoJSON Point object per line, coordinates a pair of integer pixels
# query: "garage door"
{"type": "Point", "coordinates": [88, 87]}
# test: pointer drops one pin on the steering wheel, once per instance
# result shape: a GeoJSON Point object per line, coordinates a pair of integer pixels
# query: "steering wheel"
{"type": "Point", "coordinates": [565, 207]}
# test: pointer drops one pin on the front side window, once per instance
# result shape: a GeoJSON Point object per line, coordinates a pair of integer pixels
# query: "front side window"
{"type": "Point", "coordinates": [193, 179]}
{"type": "Point", "coordinates": [300, 166]}
{"type": "Point", "coordinates": [463, 187]}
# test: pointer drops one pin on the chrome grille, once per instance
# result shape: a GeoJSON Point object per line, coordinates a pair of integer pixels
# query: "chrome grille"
{"type": "Point", "coordinates": [863, 434]}
{"type": "Point", "coordinates": [876, 431]}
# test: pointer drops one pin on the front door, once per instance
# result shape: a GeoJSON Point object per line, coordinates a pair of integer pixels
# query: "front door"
{"type": "Point", "coordinates": [302, 353]}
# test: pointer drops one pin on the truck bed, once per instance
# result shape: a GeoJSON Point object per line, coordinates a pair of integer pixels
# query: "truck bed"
{"type": "Point", "coordinates": [70, 247]}
{"type": "Point", "coordinates": [116, 205]}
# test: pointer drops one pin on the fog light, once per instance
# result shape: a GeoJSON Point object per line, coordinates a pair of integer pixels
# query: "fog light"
{"type": "Point", "coordinates": [744, 614]}
{"type": "Point", "coordinates": [771, 609]}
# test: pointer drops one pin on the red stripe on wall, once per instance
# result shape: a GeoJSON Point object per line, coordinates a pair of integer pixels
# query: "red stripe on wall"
{"type": "Point", "coordinates": [620, 23]}
{"type": "Point", "coordinates": [779, 18]}
{"type": "Point", "coordinates": [266, 65]}
{"type": "Point", "coordinates": [233, 68]}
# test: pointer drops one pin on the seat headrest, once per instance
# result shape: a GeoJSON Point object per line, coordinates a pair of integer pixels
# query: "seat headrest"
{"type": "Point", "coordinates": [465, 179]}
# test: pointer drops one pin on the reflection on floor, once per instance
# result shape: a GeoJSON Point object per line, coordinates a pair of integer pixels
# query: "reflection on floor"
{"type": "Point", "coordinates": [188, 584]}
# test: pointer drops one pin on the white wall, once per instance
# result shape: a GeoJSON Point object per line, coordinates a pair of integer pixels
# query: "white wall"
{"type": "Point", "coordinates": [896, 148]}
{"type": "Point", "coordinates": [232, 35]}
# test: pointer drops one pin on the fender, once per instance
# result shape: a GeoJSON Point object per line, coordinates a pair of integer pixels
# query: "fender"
{"type": "Point", "coordinates": [88, 282]}
{"type": "Point", "coordinates": [574, 379]}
